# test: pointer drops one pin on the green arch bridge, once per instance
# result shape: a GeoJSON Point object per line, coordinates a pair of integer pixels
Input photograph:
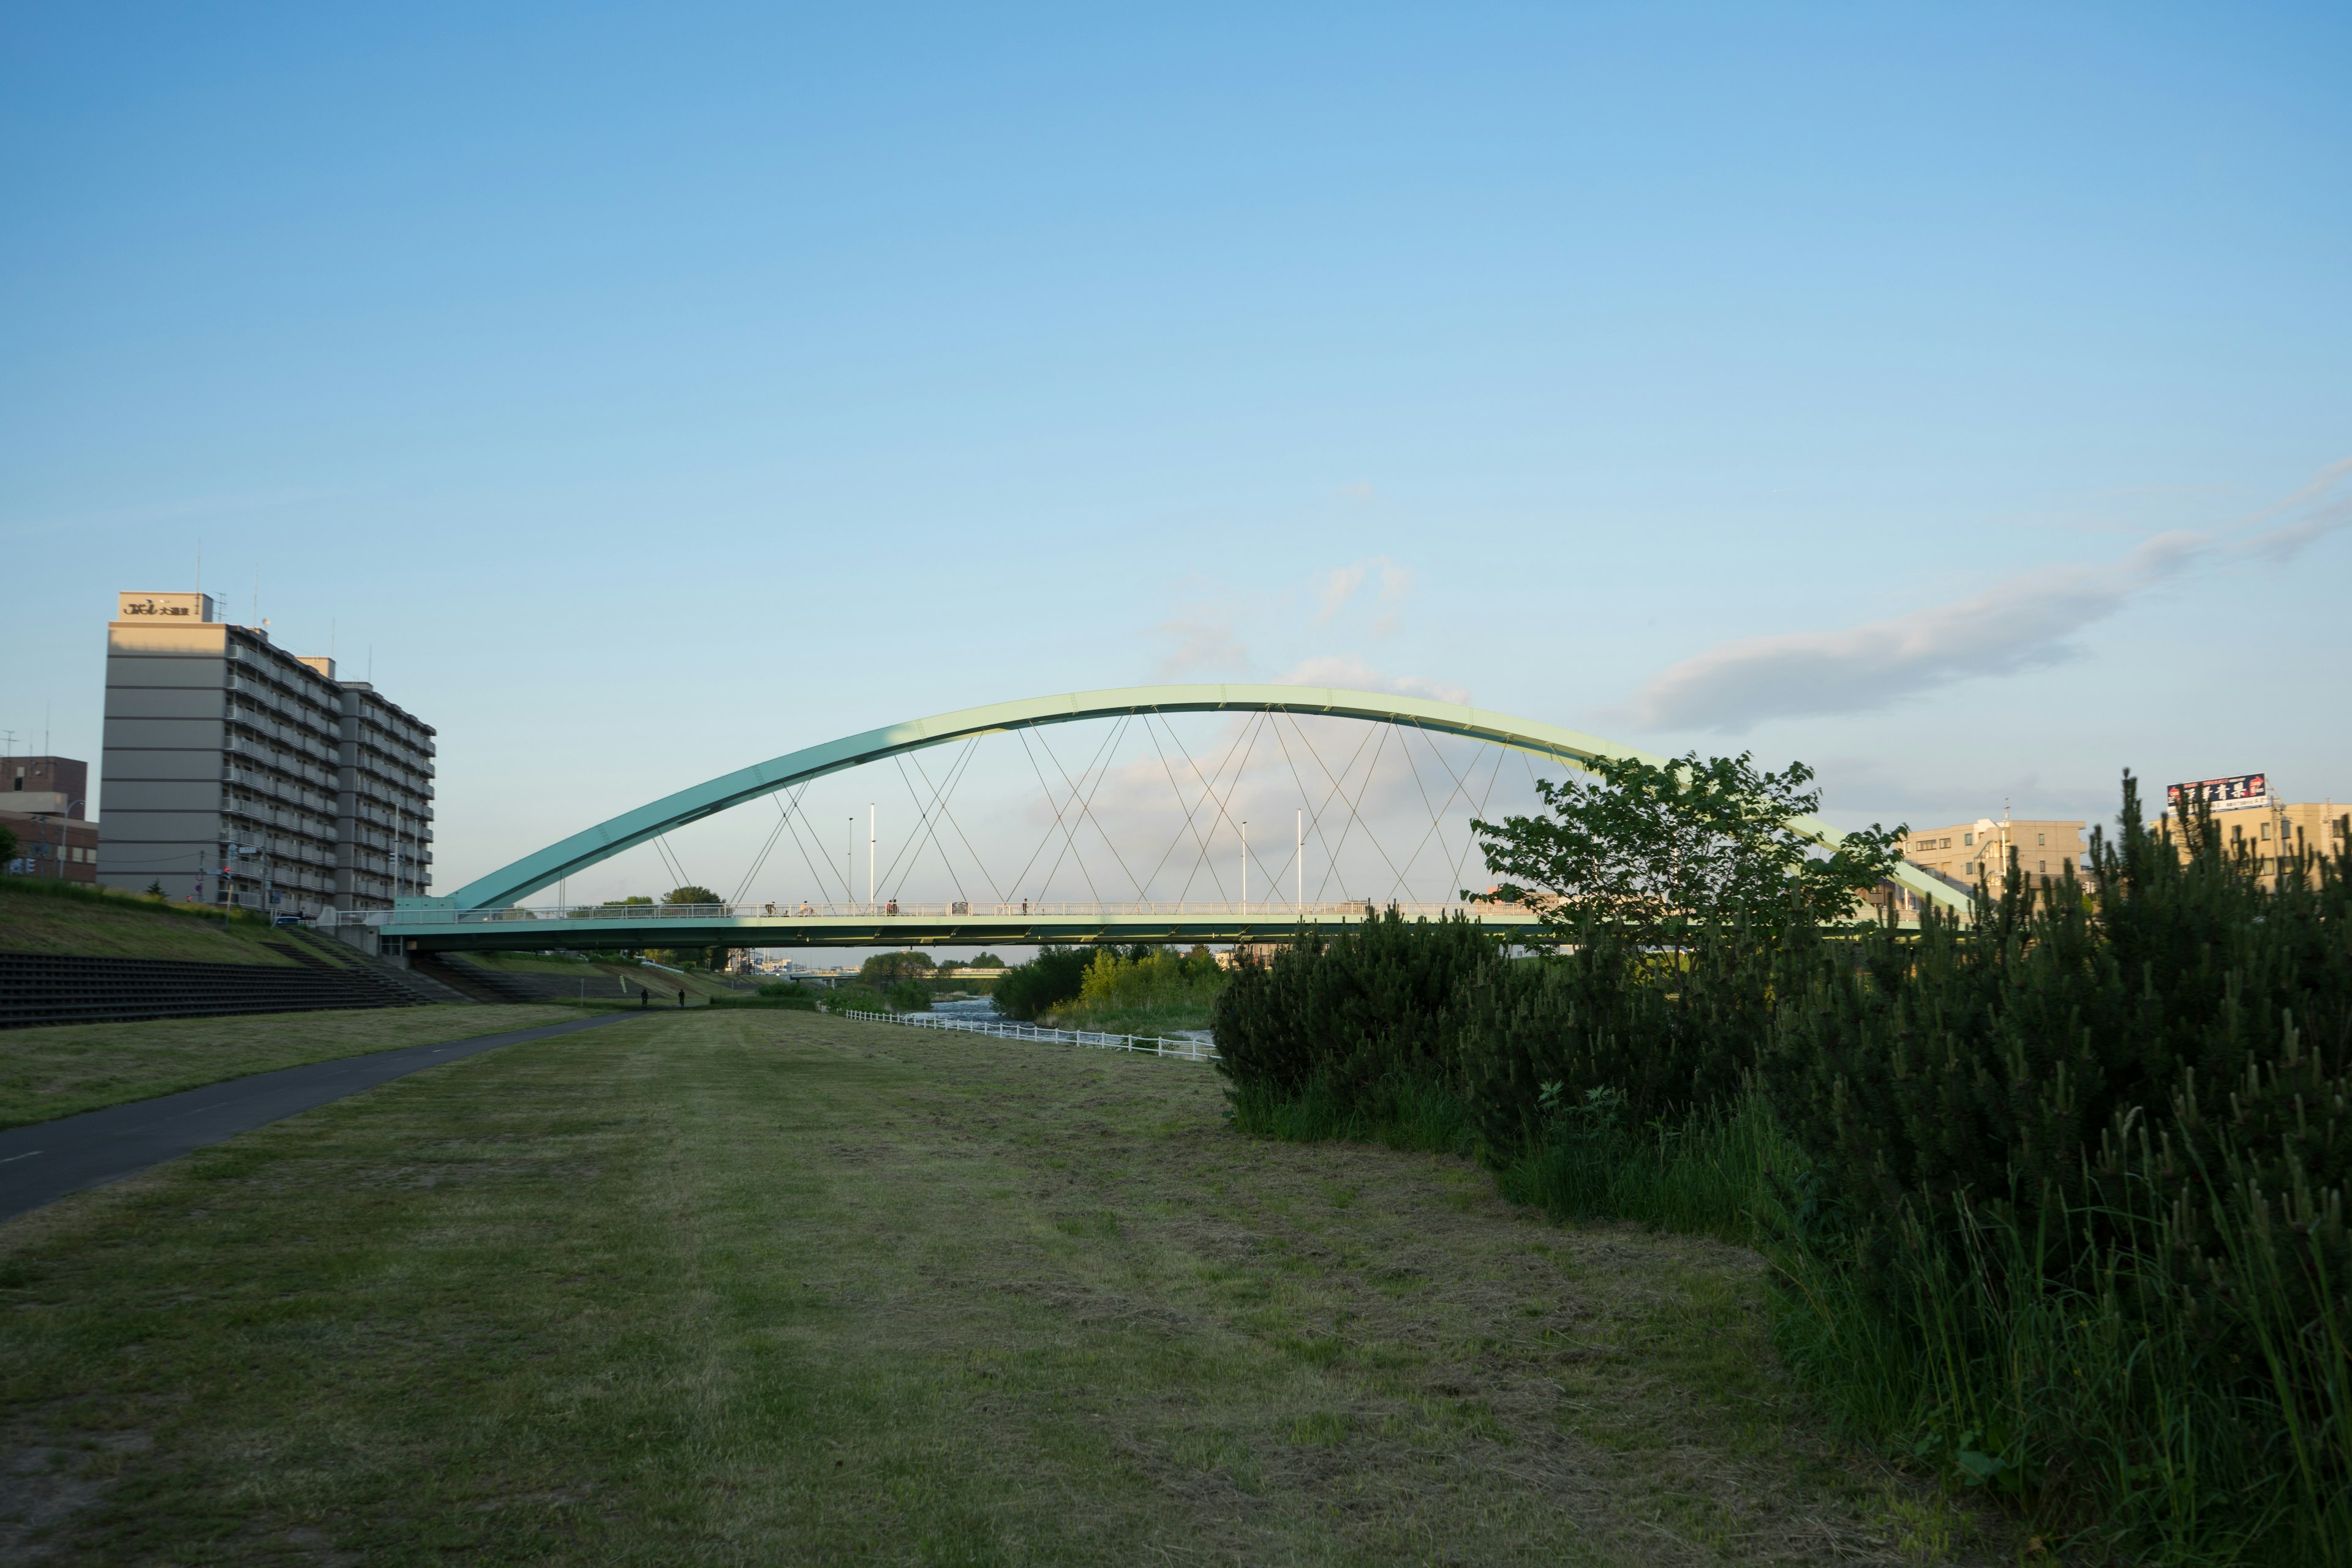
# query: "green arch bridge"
{"type": "Point", "coordinates": [488, 913]}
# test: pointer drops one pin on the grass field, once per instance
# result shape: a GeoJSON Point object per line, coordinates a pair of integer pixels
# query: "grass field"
{"type": "Point", "coordinates": [757, 1287]}
{"type": "Point", "coordinates": [72, 1068]}
{"type": "Point", "coordinates": [81, 921]}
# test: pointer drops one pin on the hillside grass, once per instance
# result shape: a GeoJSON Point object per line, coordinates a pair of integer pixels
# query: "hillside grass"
{"type": "Point", "coordinates": [68, 1068]}
{"type": "Point", "coordinates": [50, 918]}
{"type": "Point", "coordinates": [764, 1288]}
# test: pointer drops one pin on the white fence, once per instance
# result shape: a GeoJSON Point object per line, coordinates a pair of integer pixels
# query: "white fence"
{"type": "Point", "coordinates": [1187, 1051]}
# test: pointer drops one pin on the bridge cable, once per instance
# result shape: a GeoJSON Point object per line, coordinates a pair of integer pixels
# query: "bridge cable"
{"type": "Point", "coordinates": [1248, 733]}
{"type": "Point", "coordinates": [1356, 817]}
{"type": "Point", "coordinates": [1244, 734]}
{"type": "Point", "coordinates": [1192, 811]}
{"type": "Point", "coordinates": [1177, 790]}
{"type": "Point", "coordinates": [1470, 839]}
{"type": "Point", "coordinates": [669, 858]}
{"type": "Point", "coordinates": [1331, 864]}
{"type": "Point", "coordinates": [1461, 788]}
{"type": "Point", "coordinates": [784, 816]}
{"type": "Point", "coordinates": [1057, 823]}
{"type": "Point", "coordinates": [761, 860]}
{"type": "Point", "coordinates": [1331, 867]}
{"type": "Point", "coordinates": [926, 830]}
{"type": "Point", "coordinates": [955, 776]}
{"type": "Point", "coordinates": [1069, 838]}
{"type": "Point", "coordinates": [1436, 823]}
{"type": "Point", "coordinates": [825, 894]}
{"type": "Point", "coordinates": [1355, 814]}
{"type": "Point", "coordinates": [1086, 804]}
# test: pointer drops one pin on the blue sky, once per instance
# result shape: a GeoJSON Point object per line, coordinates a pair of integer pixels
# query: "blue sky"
{"type": "Point", "coordinates": [1959, 402]}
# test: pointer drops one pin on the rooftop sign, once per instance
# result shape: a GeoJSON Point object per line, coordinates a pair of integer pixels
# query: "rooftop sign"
{"type": "Point", "coordinates": [2220, 795]}
{"type": "Point", "coordinates": [164, 606]}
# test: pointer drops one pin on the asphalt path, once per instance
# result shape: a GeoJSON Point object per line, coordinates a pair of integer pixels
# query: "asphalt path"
{"type": "Point", "coordinates": [43, 1163]}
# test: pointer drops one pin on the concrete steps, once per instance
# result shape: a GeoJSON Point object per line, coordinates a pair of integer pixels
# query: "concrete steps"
{"type": "Point", "coordinates": [51, 988]}
{"type": "Point", "coordinates": [404, 986]}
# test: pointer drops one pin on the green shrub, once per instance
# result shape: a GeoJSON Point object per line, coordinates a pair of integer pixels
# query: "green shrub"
{"type": "Point", "coordinates": [1372, 1005]}
{"type": "Point", "coordinates": [1054, 975]}
{"type": "Point", "coordinates": [2074, 1221]}
{"type": "Point", "coordinates": [907, 997]}
{"type": "Point", "coordinates": [883, 969]}
{"type": "Point", "coordinates": [1663, 1037]}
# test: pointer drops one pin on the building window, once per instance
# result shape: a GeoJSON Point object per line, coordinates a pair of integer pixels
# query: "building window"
{"type": "Point", "coordinates": [2039, 840]}
{"type": "Point", "coordinates": [1967, 838]}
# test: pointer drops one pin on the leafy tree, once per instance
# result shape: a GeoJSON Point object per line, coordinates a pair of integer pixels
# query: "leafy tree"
{"type": "Point", "coordinates": [1658, 852]}
{"type": "Point", "coordinates": [688, 894]}
{"type": "Point", "coordinates": [883, 969]}
{"type": "Point", "coordinates": [1054, 975]}
{"type": "Point", "coordinates": [155, 888]}
{"type": "Point", "coordinates": [7, 847]}
{"type": "Point", "coordinates": [983, 961]}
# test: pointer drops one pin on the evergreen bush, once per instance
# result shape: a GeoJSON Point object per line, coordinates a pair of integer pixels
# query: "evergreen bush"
{"type": "Point", "coordinates": [1371, 1004]}
{"type": "Point", "coordinates": [2073, 1216]}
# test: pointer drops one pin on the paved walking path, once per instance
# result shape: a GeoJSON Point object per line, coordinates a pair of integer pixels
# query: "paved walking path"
{"type": "Point", "coordinates": [43, 1163]}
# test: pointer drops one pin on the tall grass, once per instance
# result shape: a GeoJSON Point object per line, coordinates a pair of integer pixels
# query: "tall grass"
{"type": "Point", "coordinates": [1408, 1111]}
{"type": "Point", "coordinates": [2126, 1416]}
{"type": "Point", "coordinates": [1710, 1174]}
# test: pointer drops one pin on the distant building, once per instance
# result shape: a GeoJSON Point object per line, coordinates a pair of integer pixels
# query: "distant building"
{"type": "Point", "coordinates": [2267, 829]}
{"type": "Point", "coordinates": [235, 772]}
{"type": "Point", "coordinates": [44, 803]}
{"type": "Point", "coordinates": [1968, 852]}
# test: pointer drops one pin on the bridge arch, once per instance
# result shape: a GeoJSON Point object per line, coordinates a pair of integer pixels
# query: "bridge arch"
{"type": "Point", "coordinates": [568, 856]}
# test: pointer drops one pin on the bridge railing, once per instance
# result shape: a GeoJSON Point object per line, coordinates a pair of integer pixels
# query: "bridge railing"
{"type": "Point", "coordinates": [894, 909]}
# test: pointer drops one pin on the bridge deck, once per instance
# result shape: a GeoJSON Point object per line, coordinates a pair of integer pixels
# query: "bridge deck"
{"type": "Point", "coordinates": [889, 924]}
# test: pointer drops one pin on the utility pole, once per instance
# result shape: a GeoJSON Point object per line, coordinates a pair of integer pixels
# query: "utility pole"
{"type": "Point", "coordinates": [849, 859]}
{"type": "Point", "coordinates": [1245, 865]}
{"type": "Point", "coordinates": [1302, 862]}
{"type": "Point", "coordinates": [870, 851]}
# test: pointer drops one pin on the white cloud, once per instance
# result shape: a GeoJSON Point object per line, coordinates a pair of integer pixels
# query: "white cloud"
{"type": "Point", "coordinates": [1350, 671]}
{"type": "Point", "coordinates": [1334, 589]}
{"type": "Point", "coordinates": [1205, 645]}
{"type": "Point", "coordinates": [2025, 621]}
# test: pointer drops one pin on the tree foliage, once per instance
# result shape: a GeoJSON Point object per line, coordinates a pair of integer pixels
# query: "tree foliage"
{"type": "Point", "coordinates": [1056, 975]}
{"type": "Point", "coordinates": [691, 893]}
{"type": "Point", "coordinates": [7, 847]}
{"type": "Point", "coordinates": [1656, 853]}
{"type": "Point", "coordinates": [883, 969]}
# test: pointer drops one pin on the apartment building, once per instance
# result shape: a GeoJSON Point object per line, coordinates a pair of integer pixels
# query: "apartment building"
{"type": "Point", "coordinates": [236, 773]}
{"type": "Point", "coordinates": [2266, 829]}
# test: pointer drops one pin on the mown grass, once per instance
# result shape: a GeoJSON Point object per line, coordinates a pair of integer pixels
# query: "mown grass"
{"type": "Point", "coordinates": [780, 1288]}
{"type": "Point", "coordinates": [72, 1068]}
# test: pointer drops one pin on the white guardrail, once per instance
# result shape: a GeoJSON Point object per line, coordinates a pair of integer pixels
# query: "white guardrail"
{"type": "Point", "coordinates": [1186, 1051]}
{"type": "Point", "coordinates": [639, 914]}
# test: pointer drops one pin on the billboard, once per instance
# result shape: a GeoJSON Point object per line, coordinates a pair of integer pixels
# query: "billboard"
{"type": "Point", "coordinates": [2222, 794]}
